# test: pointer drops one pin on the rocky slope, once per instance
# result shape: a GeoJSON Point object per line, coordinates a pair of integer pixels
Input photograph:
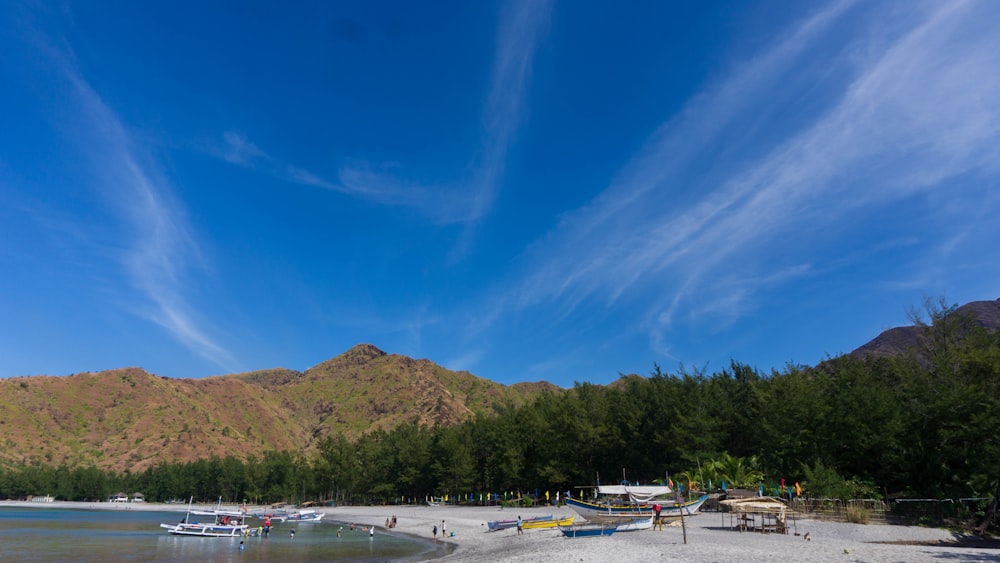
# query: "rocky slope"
{"type": "Point", "coordinates": [130, 419]}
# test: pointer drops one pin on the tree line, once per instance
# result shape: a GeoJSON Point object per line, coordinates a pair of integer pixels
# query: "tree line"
{"type": "Point", "coordinates": [922, 425]}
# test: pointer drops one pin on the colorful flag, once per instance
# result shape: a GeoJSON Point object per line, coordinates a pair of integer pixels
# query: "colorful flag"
{"type": "Point", "coordinates": [798, 490]}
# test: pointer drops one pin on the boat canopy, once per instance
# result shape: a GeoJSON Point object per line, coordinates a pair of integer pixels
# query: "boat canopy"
{"type": "Point", "coordinates": [637, 493]}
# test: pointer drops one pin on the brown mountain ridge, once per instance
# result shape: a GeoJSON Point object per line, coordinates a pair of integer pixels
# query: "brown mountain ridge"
{"type": "Point", "coordinates": [906, 339]}
{"type": "Point", "coordinates": [130, 419]}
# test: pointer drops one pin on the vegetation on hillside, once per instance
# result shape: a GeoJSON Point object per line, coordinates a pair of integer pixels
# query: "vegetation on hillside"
{"type": "Point", "coordinates": [922, 425]}
{"type": "Point", "coordinates": [130, 420]}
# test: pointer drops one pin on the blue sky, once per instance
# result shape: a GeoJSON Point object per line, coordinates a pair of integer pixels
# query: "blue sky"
{"type": "Point", "coordinates": [558, 191]}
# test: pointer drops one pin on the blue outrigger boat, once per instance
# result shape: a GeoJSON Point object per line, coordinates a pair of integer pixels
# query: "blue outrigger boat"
{"type": "Point", "coordinates": [587, 530]}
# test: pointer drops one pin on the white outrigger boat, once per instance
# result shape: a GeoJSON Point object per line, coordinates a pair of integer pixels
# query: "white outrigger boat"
{"type": "Point", "coordinates": [634, 501]}
{"type": "Point", "coordinates": [307, 515]}
{"type": "Point", "coordinates": [635, 524]}
{"type": "Point", "coordinates": [217, 524]}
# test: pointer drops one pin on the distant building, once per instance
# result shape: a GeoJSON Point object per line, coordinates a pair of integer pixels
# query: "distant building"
{"type": "Point", "coordinates": [138, 497]}
{"type": "Point", "coordinates": [118, 497]}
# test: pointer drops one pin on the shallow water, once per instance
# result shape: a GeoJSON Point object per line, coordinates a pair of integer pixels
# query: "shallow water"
{"type": "Point", "coordinates": [97, 536]}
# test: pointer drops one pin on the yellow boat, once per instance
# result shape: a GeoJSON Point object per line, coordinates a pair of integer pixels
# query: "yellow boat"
{"type": "Point", "coordinates": [548, 523]}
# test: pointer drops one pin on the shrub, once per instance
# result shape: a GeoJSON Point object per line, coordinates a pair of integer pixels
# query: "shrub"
{"type": "Point", "coordinates": [857, 515]}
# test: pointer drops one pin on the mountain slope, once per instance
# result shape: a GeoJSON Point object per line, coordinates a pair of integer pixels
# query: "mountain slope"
{"type": "Point", "coordinates": [365, 388]}
{"type": "Point", "coordinates": [128, 418]}
{"type": "Point", "coordinates": [900, 340]}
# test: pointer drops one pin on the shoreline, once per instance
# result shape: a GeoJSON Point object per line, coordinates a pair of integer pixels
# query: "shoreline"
{"type": "Point", "coordinates": [709, 537]}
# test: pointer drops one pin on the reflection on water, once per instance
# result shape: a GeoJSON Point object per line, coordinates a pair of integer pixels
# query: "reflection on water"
{"type": "Point", "coordinates": [40, 534]}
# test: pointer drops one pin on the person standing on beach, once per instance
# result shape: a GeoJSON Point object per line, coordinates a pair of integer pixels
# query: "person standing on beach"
{"type": "Point", "coordinates": [444, 530]}
{"type": "Point", "coordinates": [435, 533]}
{"type": "Point", "coordinates": [520, 529]}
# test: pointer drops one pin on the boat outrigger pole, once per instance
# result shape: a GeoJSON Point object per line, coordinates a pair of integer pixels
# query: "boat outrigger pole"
{"type": "Point", "coordinates": [188, 514]}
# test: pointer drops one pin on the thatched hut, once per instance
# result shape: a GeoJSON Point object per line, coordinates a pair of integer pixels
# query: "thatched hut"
{"type": "Point", "coordinates": [757, 514]}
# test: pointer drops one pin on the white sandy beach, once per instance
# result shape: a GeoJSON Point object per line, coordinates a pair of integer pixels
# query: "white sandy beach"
{"type": "Point", "coordinates": [709, 537]}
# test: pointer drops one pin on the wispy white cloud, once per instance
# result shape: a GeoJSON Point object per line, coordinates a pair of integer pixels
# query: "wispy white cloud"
{"type": "Point", "coordinates": [449, 200]}
{"type": "Point", "coordinates": [521, 28]}
{"type": "Point", "coordinates": [238, 150]}
{"type": "Point", "coordinates": [915, 108]}
{"type": "Point", "coordinates": [157, 245]}
{"type": "Point", "coordinates": [380, 186]}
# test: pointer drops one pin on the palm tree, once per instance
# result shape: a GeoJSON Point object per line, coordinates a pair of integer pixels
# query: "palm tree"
{"type": "Point", "coordinates": [739, 472]}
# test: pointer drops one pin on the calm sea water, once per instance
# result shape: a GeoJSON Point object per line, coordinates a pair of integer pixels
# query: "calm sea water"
{"type": "Point", "coordinates": [98, 536]}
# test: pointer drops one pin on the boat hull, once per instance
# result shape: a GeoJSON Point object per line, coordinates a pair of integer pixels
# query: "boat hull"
{"type": "Point", "coordinates": [542, 524]}
{"type": "Point", "coordinates": [495, 525]}
{"type": "Point", "coordinates": [206, 530]}
{"type": "Point", "coordinates": [635, 525]}
{"type": "Point", "coordinates": [307, 516]}
{"type": "Point", "coordinates": [589, 532]}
